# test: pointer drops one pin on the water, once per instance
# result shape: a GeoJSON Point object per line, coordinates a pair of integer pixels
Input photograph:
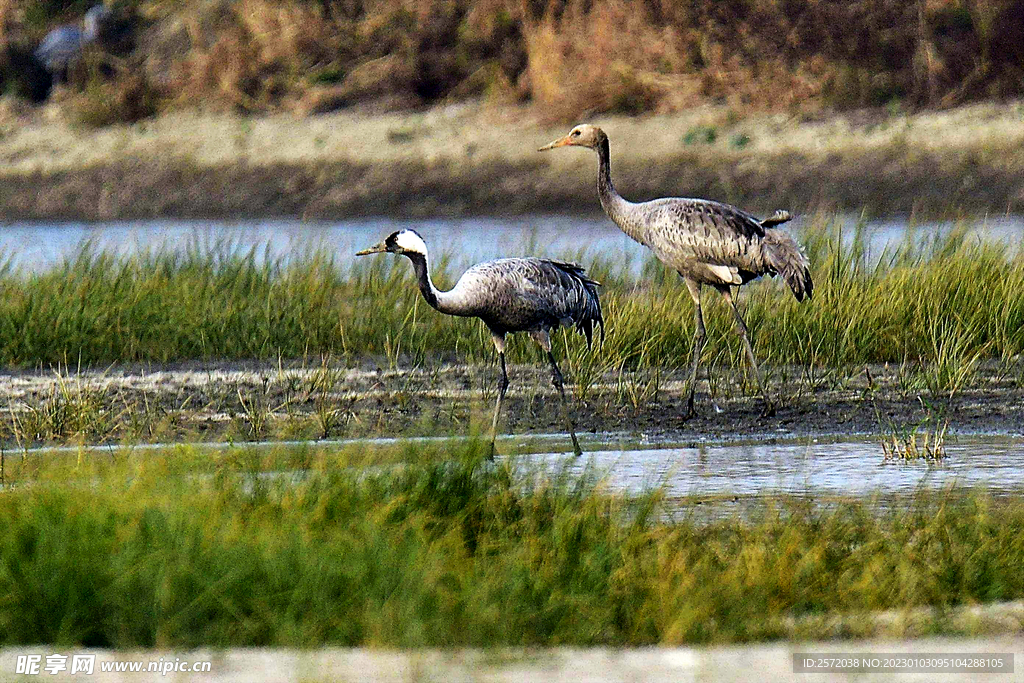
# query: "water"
{"type": "Point", "coordinates": [844, 468]}
{"type": "Point", "coordinates": [841, 468]}
{"type": "Point", "coordinates": [38, 246]}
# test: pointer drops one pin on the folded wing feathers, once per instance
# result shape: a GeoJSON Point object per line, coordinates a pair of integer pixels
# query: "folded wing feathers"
{"type": "Point", "coordinates": [582, 304]}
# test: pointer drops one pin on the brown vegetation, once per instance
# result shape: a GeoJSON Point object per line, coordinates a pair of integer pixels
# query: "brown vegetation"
{"type": "Point", "coordinates": [570, 57]}
{"type": "Point", "coordinates": [467, 161]}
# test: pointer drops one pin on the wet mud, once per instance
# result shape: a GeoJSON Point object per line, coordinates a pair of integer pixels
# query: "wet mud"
{"type": "Point", "coordinates": [311, 400]}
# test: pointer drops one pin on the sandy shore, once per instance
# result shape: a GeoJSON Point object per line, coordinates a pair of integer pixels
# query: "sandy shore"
{"type": "Point", "coordinates": [471, 159]}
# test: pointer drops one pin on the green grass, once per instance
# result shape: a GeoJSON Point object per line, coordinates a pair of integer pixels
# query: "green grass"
{"type": "Point", "coordinates": [185, 549]}
{"type": "Point", "coordinates": [946, 305]}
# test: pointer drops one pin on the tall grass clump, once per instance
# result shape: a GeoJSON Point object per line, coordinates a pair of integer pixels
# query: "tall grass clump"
{"type": "Point", "coordinates": [947, 304]}
{"type": "Point", "coordinates": [942, 302]}
{"type": "Point", "coordinates": [216, 302]}
{"type": "Point", "coordinates": [177, 550]}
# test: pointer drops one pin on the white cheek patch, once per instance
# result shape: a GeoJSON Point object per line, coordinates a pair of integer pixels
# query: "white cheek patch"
{"type": "Point", "coordinates": [410, 241]}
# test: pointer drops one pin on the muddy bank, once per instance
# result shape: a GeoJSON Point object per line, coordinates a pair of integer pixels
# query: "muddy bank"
{"type": "Point", "coordinates": [470, 160]}
{"type": "Point", "coordinates": [200, 401]}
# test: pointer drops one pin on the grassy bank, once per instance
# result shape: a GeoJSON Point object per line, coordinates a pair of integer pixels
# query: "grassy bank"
{"type": "Point", "coordinates": [948, 304]}
{"type": "Point", "coordinates": [479, 160]}
{"type": "Point", "coordinates": [215, 344]}
{"type": "Point", "coordinates": [183, 549]}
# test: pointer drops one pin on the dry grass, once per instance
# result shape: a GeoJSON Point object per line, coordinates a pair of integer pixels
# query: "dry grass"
{"type": "Point", "coordinates": [127, 99]}
{"type": "Point", "coordinates": [261, 52]}
{"type": "Point", "coordinates": [915, 443]}
{"type": "Point", "coordinates": [6, 11]}
{"type": "Point", "coordinates": [192, 164]}
{"type": "Point", "coordinates": [573, 57]}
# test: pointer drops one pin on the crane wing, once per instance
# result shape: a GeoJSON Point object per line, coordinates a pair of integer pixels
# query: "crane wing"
{"type": "Point", "coordinates": [60, 45]}
{"type": "Point", "coordinates": [721, 241]}
{"type": "Point", "coordinates": [531, 293]}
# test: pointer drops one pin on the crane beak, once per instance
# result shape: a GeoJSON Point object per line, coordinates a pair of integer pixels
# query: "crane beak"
{"type": "Point", "coordinates": [560, 142]}
{"type": "Point", "coordinates": [378, 248]}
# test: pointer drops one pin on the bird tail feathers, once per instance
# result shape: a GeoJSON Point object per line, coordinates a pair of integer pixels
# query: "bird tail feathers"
{"type": "Point", "coordinates": [788, 260]}
{"type": "Point", "coordinates": [587, 311]}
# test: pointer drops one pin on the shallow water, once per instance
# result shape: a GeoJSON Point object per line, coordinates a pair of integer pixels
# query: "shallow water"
{"type": "Point", "coordinates": [842, 468]}
{"type": "Point", "coordinates": [38, 246]}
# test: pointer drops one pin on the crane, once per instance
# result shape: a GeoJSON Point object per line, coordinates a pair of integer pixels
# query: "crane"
{"type": "Point", "coordinates": [63, 45]}
{"type": "Point", "coordinates": [510, 295]}
{"type": "Point", "coordinates": [706, 242]}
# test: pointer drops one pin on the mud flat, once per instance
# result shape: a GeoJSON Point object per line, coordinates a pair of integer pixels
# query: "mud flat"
{"type": "Point", "coordinates": [472, 159]}
{"type": "Point", "coordinates": [266, 401]}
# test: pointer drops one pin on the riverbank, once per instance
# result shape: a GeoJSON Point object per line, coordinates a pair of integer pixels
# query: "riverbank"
{"type": "Point", "coordinates": [472, 159]}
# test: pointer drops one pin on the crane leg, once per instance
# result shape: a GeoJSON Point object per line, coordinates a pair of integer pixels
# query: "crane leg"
{"type": "Point", "coordinates": [544, 339]}
{"type": "Point", "coordinates": [741, 330]}
{"type": "Point", "coordinates": [699, 337]}
{"type": "Point", "coordinates": [556, 379]}
{"type": "Point", "coordinates": [502, 388]}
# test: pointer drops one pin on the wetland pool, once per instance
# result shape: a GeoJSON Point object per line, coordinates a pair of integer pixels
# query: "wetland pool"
{"type": "Point", "coordinates": [849, 467]}
{"type": "Point", "coordinates": [37, 246]}
{"type": "Point", "coordinates": [843, 467]}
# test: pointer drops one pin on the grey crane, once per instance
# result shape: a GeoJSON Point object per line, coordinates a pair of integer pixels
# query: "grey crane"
{"type": "Point", "coordinates": [64, 45]}
{"type": "Point", "coordinates": [510, 295]}
{"type": "Point", "coordinates": [706, 242]}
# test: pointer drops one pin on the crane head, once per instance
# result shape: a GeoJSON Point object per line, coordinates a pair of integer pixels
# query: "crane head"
{"type": "Point", "coordinates": [94, 20]}
{"type": "Point", "coordinates": [401, 242]}
{"type": "Point", "coordinates": [583, 135]}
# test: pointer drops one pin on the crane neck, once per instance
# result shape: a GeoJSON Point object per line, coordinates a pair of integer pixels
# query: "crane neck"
{"type": "Point", "coordinates": [92, 25]}
{"type": "Point", "coordinates": [441, 301]}
{"type": "Point", "coordinates": [604, 174]}
{"type": "Point", "coordinates": [622, 212]}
